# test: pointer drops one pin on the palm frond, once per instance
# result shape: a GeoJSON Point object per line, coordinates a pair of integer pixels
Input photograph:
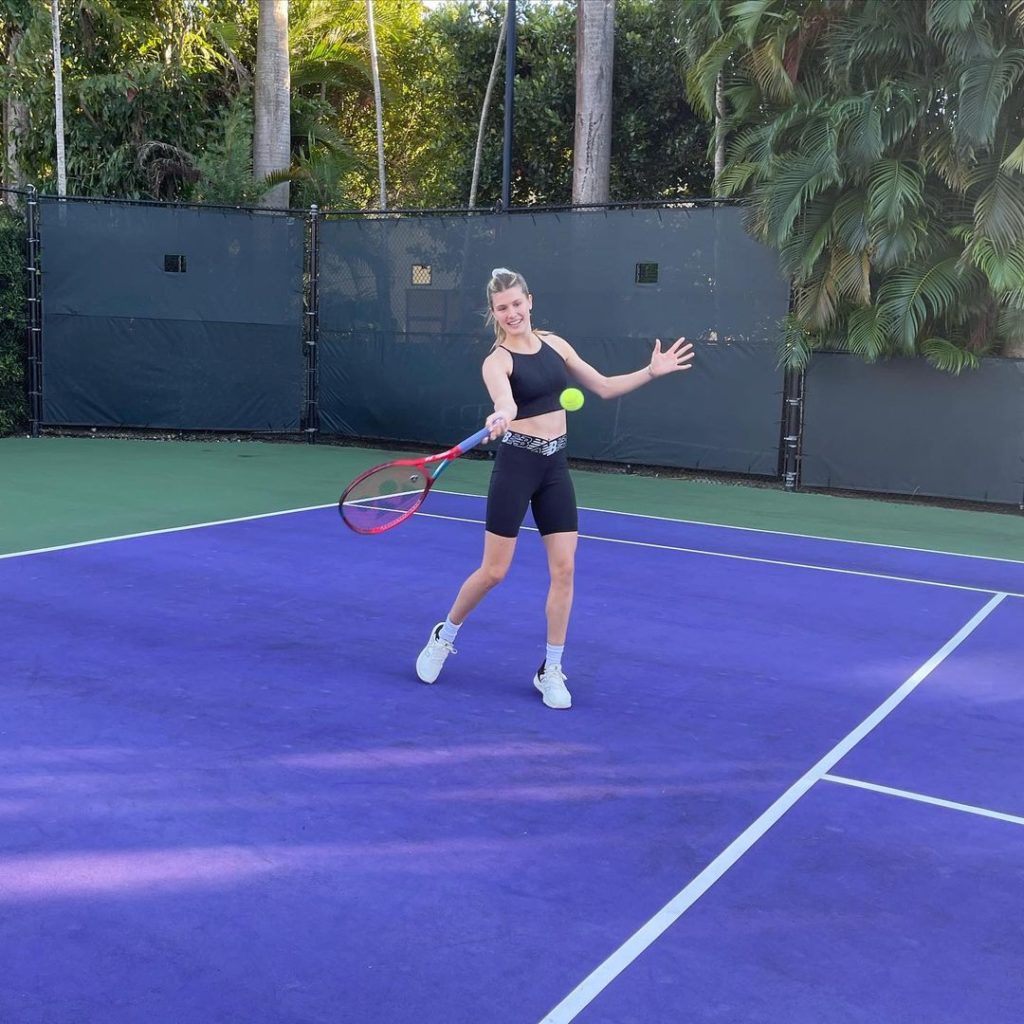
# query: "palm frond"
{"type": "Point", "coordinates": [811, 233]}
{"type": "Point", "coordinates": [816, 299]}
{"type": "Point", "coordinates": [852, 272]}
{"type": "Point", "coordinates": [278, 177]}
{"type": "Point", "coordinates": [851, 220]}
{"type": "Point", "coordinates": [746, 17]}
{"type": "Point", "coordinates": [770, 71]}
{"type": "Point", "coordinates": [735, 178]}
{"type": "Point", "coordinates": [984, 87]}
{"type": "Point", "coordinates": [797, 180]}
{"type": "Point", "coordinates": [1003, 270]}
{"type": "Point", "coordinates": [796, 344]}
{"type": "Point", "coordinates": [949, 15]}
{"type": "Point", "coordinates": [702, 77]}
{"type": "Point", "coordinates": [819, 140]}
{"type": "Point", "coordinates": [1016, 12]}
{"type": "Point", "coordinates": [767, 138]}
{"type": "Point", "coordinates": [1009, 324]}
{"type": "Point", "coordinates": [345, 74]}
{"type": "Point", "coordinates": [894, 187]}
{"type": "Point", "coordinates": [868, 333]}
{"type": "Point", "coordinates": [698, 24]}
{"type": "Point", "coordinates": [1013, 299]}
{"type": "Point", "coordinates": [1015, 161]}
{"type": "Point", "coordinates": [317, 132]}
{"type": "Point", "coordinates": [911, 295]}
{"type": "Point", "coordinates": [877, 35]}
{"type": "Point", "coordinates": [902, 105]}
{"type": "Point", "coordinates": [940, 154]}
{"type": "Point", "coordinates": [744, 99]}
{"type": "Point", "coordinates": [999, 211]}
{"type": "Point", "coordinates": [962, 31]}
{"type": "Point", "coordinates": [863, 143]}
{"type": "Point", "coordinates": [947, 356]}
{"type": "Point", "coordinates": [753, 144]}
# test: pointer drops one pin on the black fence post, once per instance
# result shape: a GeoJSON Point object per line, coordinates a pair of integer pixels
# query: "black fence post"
{"type": "Point", "coordinates": [35, 314]}
{"type": "Point", "coordinates": [311, 328]}
{"type": "Point", "coordinates": [792, 428]}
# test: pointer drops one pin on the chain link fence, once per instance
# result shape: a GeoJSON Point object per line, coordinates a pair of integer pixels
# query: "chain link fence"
{"type": "Point", "coordinates": [371, 327]}
{"type": "Point", "coordinates": [18, 362]}
{"type": "Point", "coordinates": [403, 333]}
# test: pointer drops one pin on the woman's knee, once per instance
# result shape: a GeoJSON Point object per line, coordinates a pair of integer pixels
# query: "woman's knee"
{"type": "Point", "coordinates": [498, 551]}
{"type": "Point", "coordinates": [562, 569]}
{"type": "Point", "coordinates": [492, 573]}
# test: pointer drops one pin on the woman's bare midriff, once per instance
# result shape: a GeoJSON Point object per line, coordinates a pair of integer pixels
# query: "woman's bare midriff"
{"type": "Point", "coordinates": [547, 426]}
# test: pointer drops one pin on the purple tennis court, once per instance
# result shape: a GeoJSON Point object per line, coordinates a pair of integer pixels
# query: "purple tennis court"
{"type": "Point", "coordinates": [790, 787]}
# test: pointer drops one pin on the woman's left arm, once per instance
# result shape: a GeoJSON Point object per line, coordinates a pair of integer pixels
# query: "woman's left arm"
{"type": "Point", "coordinates": [677, 357]}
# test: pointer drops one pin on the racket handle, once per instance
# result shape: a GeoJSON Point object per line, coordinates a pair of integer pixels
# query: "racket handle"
{"type": "Point", "coordinates": [473, 440]}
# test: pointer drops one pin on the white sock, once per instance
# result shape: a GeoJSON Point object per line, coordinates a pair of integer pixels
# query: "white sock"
{"type": "Point", "coordinates": [449, 630]}
{"type": "Point", "coordinates": [553, 654]}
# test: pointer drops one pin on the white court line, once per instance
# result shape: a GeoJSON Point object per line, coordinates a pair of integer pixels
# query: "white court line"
{"type": "Point", "coordinates": [167, 529]}
{"type": "Point", "coordinates": [607, 972]}
{"type": "Point", "coordinates": [755, 558]}
{"type": "Point", "coordinates": [921, 798]}
{"type": "Point", "coordinates": [583, 536]}
{"type": "Point", "coordinates": [779, 533]}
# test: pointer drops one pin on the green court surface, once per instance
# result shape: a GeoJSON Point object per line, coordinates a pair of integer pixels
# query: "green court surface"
{"type": "Point", "coordinates": [56, 491]}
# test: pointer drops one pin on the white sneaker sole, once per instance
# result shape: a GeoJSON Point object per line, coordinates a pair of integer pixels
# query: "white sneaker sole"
{"type": "Point", "coordinates": [425, 671]}
{"type": "Point", "coordinates": [547, 703]}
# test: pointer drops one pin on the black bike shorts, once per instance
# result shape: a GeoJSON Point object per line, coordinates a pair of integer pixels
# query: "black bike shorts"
{"type": "Point", "coordinates": [530, 472]}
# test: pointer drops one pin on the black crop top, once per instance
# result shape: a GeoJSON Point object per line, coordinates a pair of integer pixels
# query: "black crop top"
{"type": "Point", "coordinates": [537, 380]}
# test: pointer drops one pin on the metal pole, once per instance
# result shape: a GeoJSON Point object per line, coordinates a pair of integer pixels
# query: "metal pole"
{"type": "Point", "coordinates": [510, 85]}
{"type": "Point", "coordinates": [311, 329]}
{"type": "Point", "coordinates": [35, 315]}
{"type": "Point", "coordinates": [792, 430]}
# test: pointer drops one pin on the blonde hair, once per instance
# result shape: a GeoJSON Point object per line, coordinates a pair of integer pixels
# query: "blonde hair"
{"type": "Point", "coordinates": [501, 280]}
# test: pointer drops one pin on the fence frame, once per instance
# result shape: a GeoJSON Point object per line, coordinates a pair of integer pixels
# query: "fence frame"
{"type": "Point", "coordinates": [794, 381]}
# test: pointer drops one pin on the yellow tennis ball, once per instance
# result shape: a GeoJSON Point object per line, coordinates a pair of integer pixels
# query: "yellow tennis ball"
{"type": "Point", "coordinates": [571, 399]}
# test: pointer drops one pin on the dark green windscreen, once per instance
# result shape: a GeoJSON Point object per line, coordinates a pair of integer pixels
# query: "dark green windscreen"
{"type": "Point", "coordinates": [171, 317]}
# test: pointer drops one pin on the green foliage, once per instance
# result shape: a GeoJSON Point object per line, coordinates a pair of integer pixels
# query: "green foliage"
{"type": "Point", "coordinates": [658, 142]}
{"type": "Point", "coordinates": [140, 81]}
{"type": "Point", "coordinates": [13, 405]}
{"type": "Point", "coordinates": [225, 166]}
{"type": "Point", "coordinates": [158, 98]}
{"type": "Point", "coordinates": [879, 148]}
{"type": "Point", "coordinates": [437, 76]}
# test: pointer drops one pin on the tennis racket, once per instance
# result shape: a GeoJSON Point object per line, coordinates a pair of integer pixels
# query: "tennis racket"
{"type": "Point", "coordinates": [387, 495]}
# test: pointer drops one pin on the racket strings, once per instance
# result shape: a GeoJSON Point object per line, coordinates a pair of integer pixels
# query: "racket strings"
{"type": "Point", "coordinates": [384, 498]}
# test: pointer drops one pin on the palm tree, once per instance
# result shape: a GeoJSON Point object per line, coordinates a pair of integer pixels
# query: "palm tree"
{"type": "Point", "coordinates": [592, 147]}
{"type": "Point", "coordinates": [272, 125]}
{"type": "Point", "coordinates": [15, 121]}
{"type": "Point", "coordinates": [58, 98]}
{"type": "Point", "coordinates": [880, 149]}
{"type": "Point", "coordinates": [378, 108]}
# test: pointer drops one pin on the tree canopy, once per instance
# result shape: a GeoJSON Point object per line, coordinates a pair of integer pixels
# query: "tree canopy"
{"type": "Point", "coordinates": [880, 147]}
{"type": "Point", "coordinates": [159, 102]}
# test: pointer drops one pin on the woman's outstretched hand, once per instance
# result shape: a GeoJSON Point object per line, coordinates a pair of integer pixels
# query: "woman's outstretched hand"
{"type": "Point", "coordinates": [677, 357]}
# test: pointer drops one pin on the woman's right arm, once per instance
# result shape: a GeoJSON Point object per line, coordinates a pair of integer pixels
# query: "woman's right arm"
{"type": "Point", "coordinates": [496, 369]}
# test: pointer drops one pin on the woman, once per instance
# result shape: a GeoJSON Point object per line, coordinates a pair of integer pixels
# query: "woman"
{"type": "Point", "coordinates": [525, 373]}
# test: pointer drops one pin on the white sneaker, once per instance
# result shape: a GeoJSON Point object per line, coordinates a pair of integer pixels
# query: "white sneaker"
{"type": "Point", "coordinates": [551, 683]}
{"type": "Point", "coordinates": [431, 659]}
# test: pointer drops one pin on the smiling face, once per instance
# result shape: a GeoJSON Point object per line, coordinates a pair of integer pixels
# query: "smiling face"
{"type": "Point", "coordinates": [511, 309]}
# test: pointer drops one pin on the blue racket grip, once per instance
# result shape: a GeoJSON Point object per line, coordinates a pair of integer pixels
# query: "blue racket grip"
{"type": "Point", "coordinates": [461, 448]}
{"type": "Point", "coordinates": [474, 439]}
